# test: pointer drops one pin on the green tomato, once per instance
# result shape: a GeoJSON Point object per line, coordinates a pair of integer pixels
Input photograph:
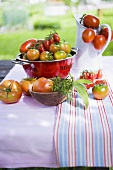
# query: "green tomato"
{"type": "Point", "coordinates": [100, 91]}
{"type": "Point", "coordinates": [60, 55]}
{"type": "Point", "coordinates": [65, 46]}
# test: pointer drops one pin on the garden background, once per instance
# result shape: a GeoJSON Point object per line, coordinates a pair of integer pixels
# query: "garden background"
{"type": "Point", "coordinates": [20, 21]}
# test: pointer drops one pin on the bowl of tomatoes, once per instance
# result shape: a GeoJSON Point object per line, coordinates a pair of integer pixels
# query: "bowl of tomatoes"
{"type": "Point", "coordinates": [42, 91]}
{"type": "Point", "coordinates": [48, 57]}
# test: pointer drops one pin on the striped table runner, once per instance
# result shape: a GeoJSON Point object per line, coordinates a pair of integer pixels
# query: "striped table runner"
{"type": "Point", "coordinates": [85, 137]}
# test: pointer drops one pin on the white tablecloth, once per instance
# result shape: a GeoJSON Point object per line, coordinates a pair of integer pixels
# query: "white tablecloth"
{"type": "Point", "coordinates": [27, 128]}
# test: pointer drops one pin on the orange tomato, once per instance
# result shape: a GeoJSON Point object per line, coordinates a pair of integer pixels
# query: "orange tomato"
{"type": "Point", "coordinates": [43, 85]}
{"type": "Point", "coordinates": [25, 83]}
{"type": "Point", "coordinates": [33, 54]}
{"type": "Point", "coordinates": [10, 91]}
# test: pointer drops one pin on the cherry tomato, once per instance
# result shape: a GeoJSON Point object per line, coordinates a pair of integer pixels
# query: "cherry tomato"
{"type": "Point", "coordinates": [46, 44]}
{"type": "Point", "coordinates": [99, 42]}
{"type": "Point", "coordinates": [100, 91]}
{"type": "Point", "coordinates": [59, 55]}
{"type": "Point", "coordinates": [46, 55]}
{"type": "Point", "coordinates": [25, 83]}
{"type": "Point", "coordinates": [88, 35]}
{"type": "Point", "coordinates": [56, 37]}
{"type": "Point", "coordinates": [33, 54]}
{"type": "Point", "coordinates": [27, 44]}
{"type": "Point", "coordinates": [43, 85]}
{"type": "Point", "coordinates": [41, 48]}
{"type": "Point", "coordinates": [91, 21]}
{"type": "Point", "coordinates": [53, 48]}
{"type": "Point", "coordinates": [101, 82]}
{"type": "Point", "coordinates": [65, 46]}
{"type": "Point", "coordinates": [51, 41]}
{"type": "Point", "coordinates": [89, 85]}
{"type": "Point", "coordinates": [10, 91]}
{"type": "Point", "coordinates": [104, 32]}
{"type": "Point", "coordinates": [92, 76]}
{"type": "Point", "coordinates": [99, 74]}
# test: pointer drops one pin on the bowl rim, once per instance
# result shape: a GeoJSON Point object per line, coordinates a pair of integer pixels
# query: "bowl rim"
{"type": "Point", "coordinates": [18, 58]}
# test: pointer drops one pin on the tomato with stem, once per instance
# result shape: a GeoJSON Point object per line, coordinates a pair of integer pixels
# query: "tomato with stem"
{"type": "Point", "coordinates": [10, 91]}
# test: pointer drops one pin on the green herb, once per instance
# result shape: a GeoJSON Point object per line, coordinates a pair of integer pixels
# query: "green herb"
{"type": "Point", "coordinates": [66, 86]}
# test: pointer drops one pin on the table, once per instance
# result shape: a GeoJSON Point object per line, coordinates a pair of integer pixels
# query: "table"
{"type": "Point", "coordinates": [27, 127]}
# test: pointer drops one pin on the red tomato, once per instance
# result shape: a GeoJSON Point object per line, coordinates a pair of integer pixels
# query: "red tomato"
{"type": "Point", "coordinates": [46, 55]}
{"type": "Point", "coordinates": [33, 54]}
{"type": "Point", "coordinates": [53, 48]}
{"type": "Point", "coordinates": [92, 76]}
{"type": "Point", "coordinates": [99, 42]}
{"type": "Point", "coordinates": [43, 85]}
{"type": "Point", "coordinates": [99, 74]}
{"type": "Point", "coordinates": [10, 91]}
{"type": "Point", "coordinates": [41, 48]}
{"type": "Point", "coordinates": [104, 32]}
{"type": "Point", "coordinates": [91, 21]}
{"type": "Point", "coordinates": [88, 35]}
{"type": "Point", "coordinates": [89, 85]}
{"type": "Point", "coordinates": [51, 41]}
{"type": "Point", "coordinates": [101, 82]}
{"type": "Point", "coordinates": [58, 55]}
{"type": "Point", "coordinates": [25, 83]}
{"type": "Point", "coordinates": [100, 91]}
{"type": "Point", "coordinates": [27, 44]}
{"type": "Point", "coordinates": [65, 46]}
{"type": "Point", "coordinates": [56, 37]}
{"type": "Point", "coordinates": [46, 44]}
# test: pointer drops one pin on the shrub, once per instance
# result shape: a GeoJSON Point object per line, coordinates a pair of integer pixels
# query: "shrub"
{"type": "Point", "coordinates": [46, 25]}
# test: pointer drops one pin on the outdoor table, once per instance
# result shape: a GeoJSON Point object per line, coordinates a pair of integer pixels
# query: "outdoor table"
{"type": "Point", "coordinates": [27, 128]}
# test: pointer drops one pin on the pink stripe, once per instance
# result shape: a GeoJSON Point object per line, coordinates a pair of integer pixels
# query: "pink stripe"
{"type": "Point", "coordinates": [74, 113]}
{"type": "Point", "coordinates": [57, 129]}
{"type": "Point", "coordinates": [92, 138]}
{"type": "Point", "coordinates": [108, 133]}
{"type": "Point", "coordinates": [86, 140]}
{"type": "Point", "coordinates": [104, 139]}
{"type": "Point", "coordinates": [69, 152]}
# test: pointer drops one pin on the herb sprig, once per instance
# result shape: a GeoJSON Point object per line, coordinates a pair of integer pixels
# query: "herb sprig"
{"type": "Point", "coordinates": [66, 86]}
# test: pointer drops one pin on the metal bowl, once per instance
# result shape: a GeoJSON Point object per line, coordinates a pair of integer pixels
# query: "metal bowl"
{"type": "Point", "coordinates": [47, 69]}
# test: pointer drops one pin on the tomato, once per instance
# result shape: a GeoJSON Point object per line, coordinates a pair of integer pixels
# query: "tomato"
{"type": "Point", "coordinates": [88, 35]}
{"type": "Point", "coordinates": [92, 76]}
{"type": "Point", "coordinates": [43, 85]}
{"type": "Point", "coordinates": [85, 74]}
{"type": "Point", "coordinates": [99, 74]}
{"type": "Point", "coordinates": [25, 83]}
{"type": "Point", "coordinates": [27, 44]}
{"type": "Point", "coordinates": [104, 32]}
{"type": "Point", "coordinates": [99, 42]}
{"type": "Point", "coordinates": [91, 21]}
{"type": "Point", "coordinates": [60, 55]}
{"type": "Point", "coordinates": [41, 48]}
{"type": "Point", "coordinates": [46, 55]}
{"type": "Point", "coordinates": [10, 91]}
{"type": "Point", "coordinates": [51, 41]}
{"type": "Point", "coordinates": [53, 48]}
{"type": "Point", "coordinates": [46, 44]}
{"type": "Point", "coordinates": [56, 37]}
{"type": "Point", "coordinates": [65, 46]}
{"type": "Point", "coordinates": [89, 85]}
{"type": "Point", "coordinates": [33, 54]}
{"type": "Point", "coordinates": [101, 82]}
{"type": "Point", "coordinates": [100, 91]}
